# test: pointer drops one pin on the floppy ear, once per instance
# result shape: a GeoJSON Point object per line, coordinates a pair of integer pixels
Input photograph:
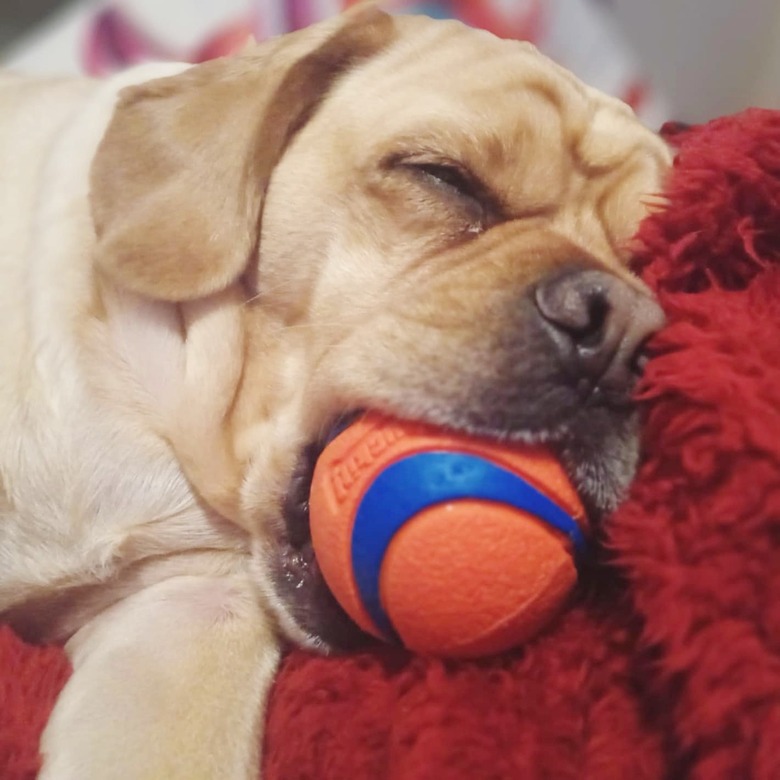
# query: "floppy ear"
{"type": "Point", "coordinates": [178, 180]}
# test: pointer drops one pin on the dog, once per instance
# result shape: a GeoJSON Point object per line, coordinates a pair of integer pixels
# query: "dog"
{"type": "Point", "coordinates": [202, 269]}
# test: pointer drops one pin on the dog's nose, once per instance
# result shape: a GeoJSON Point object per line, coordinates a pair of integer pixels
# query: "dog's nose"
{"type": "Point", "coordinates": [599, 324]}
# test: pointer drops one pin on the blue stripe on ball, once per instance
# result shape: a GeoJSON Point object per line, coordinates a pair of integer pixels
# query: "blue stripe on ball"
{"type": "Point", "coordinates": [418, 481]}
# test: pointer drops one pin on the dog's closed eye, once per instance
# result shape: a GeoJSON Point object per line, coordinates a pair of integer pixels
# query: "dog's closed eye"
{"type": "Point", "coordinates": [453, 182]}
{"type": "Point", "coordinates": [448, 176]}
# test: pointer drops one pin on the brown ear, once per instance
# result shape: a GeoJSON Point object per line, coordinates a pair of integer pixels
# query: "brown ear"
{"type": "Point", "coordinates": [179, 178]}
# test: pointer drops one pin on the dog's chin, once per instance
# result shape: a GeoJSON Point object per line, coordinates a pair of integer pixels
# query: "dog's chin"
{"type": "Point", "coordinates": [602, 476]}
{"type": "Point", "coordinates": [600, 460]}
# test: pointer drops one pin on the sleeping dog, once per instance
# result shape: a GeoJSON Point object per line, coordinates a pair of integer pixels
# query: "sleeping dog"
{"type": "Point", "coordinates": [202, 269]}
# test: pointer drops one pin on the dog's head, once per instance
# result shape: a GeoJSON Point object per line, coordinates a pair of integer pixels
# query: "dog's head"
{"type": "Point", "coordinates": [388, 213]}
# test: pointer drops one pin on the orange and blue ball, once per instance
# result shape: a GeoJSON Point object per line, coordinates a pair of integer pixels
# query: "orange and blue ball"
{"type": "Point", "coordinates": [453, 545]}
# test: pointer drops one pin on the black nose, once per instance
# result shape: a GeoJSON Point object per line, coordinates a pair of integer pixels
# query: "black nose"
{"type": "Point", "coordinates": [599, 324]}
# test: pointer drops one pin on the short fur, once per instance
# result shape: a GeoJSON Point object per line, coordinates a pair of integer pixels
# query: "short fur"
{"type": "Point", "coordinates": [196, 278]}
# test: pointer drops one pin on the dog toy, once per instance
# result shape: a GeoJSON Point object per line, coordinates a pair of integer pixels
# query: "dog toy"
{"type": "Point", "coordinates": [453, 545]}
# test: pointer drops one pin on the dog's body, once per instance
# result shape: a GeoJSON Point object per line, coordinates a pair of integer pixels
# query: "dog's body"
{"type": "Point", "coordinates": [164, 365]}
{"type": "Point", "coordinates": [94, 506]}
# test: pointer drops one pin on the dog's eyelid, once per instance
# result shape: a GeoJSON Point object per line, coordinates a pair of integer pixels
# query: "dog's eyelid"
{"type": "Point", "coordinates": [450, 174]}
{"type": "Point", "coordinates": [444, 169]}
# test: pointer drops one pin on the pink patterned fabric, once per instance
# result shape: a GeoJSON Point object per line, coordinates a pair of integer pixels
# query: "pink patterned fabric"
{"type": "Point", "coordinates": [577, 33]}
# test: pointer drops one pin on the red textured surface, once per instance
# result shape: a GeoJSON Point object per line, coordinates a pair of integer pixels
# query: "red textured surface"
{"type": "Point", "coordinates": [670, 666]}
{"type": "Point", "coordinates": [30, 679]}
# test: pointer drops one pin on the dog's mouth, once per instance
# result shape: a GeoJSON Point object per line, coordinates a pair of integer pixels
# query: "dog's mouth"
{"type": "Point", "coordinates": [297, 578]}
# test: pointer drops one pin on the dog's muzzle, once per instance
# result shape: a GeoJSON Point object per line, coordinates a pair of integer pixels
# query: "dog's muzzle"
{"type": "Point", "coordinates": [567, 381]}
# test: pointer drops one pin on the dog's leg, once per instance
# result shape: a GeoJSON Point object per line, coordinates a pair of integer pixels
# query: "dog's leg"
{"type": "Point", "coordinates": [168, 684]}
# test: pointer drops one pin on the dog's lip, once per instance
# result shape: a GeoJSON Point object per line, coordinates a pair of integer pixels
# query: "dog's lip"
{"type": "Point", "coordinates": [299, 580]}
{"type": "Point", "coordinates": [295, 508]}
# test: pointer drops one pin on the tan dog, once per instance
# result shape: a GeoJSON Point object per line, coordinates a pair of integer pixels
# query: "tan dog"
{"type": "Point", "coordinates": [196, 281]}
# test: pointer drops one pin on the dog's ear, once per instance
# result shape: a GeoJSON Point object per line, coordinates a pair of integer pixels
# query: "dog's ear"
{"type": "Point", "coordinates": [178, 180]}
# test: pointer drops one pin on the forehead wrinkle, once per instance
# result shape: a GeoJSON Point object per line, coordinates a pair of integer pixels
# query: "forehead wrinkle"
{"type": "Point", "coordinates": [450, 40]}
{"type": "Point", "coordinates": [472, 79]}
{"type": "Point", "coordinates": [519, 149]}
{"type": "Point", "coordinates": [622, 200]}
{"type": "Point", "coordinates": [515, 124]}
{"type": "Point", "coordinates": [419, 57]}
{"type": "Point", "coordinates": [451, 55]}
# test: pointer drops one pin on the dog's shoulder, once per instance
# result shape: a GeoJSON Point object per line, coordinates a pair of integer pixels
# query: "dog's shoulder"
{"type": "Point", "coordinates": [36, 110]}
{"type": "Point", "coordinates": [56, 425]}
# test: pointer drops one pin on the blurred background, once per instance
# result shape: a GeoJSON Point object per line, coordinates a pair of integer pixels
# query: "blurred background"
{"type": "Point", "coordinates": [687, 60]}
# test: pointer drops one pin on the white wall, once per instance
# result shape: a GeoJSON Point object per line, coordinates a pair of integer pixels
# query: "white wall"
{"type": "Point", "coordinates": [708, 57]}
{"type": "Point", "coordinates": [705, 57]}
{"type": "Point", "coordinates": [766, 88]}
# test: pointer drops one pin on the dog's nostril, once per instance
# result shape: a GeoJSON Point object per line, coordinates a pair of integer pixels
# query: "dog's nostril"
{"type": "Point", "coordinates": [599, 325]}
{"type": "Point", "coordinates": [591, 334]}
{"type": "Point", "coordinates": [575, 308]}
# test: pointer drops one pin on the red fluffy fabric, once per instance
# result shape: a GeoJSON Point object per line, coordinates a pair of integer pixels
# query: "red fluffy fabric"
{"type": "Point", "coordinates": [700, 538]}
{"type": "Point", "coordinates": [669, 666]}
{"type": "Point", "coordinates": [30, 679]}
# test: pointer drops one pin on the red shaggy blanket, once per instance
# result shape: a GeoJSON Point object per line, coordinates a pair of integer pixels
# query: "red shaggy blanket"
{"type": "Point", "coordinates": [669, 665]}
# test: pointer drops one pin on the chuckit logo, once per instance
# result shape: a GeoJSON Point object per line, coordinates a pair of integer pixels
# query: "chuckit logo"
{"type": "Point", "coordinates": [360, 459]}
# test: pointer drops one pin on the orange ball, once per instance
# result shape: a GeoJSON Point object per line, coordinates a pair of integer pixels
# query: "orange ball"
{"type": "Point", "coordinates": [462, 577]}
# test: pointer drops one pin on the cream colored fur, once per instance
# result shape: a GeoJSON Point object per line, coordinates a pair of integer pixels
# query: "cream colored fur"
{"type": "Point", "coordinates": [148, 431]}
{"type": "Point", "coordinates": [93, 494]}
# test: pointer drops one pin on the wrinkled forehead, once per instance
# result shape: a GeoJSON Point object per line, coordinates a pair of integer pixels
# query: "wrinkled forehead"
{"type": "Point", "coordinates": [442, 81]}
{"type": "Point", "coordinates": [449, 53]}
